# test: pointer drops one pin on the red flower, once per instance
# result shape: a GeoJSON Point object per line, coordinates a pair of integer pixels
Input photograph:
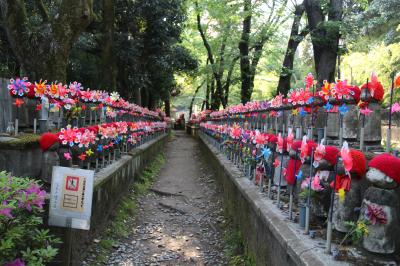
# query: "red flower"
{"type": "Point", "coordinates": [19, 102]}
{"type": "Point", "coordinates": [276, 163]}
{"type": "Point", "coordinates": [38, 107]}
{"type": "Point", "coordinates": [82, 157]}
{"type": "Point", "coordinates": [374, 213]}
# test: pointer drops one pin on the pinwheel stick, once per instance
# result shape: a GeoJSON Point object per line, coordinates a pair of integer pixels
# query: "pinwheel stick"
{"type": "Point", "coordinates": [16, 121]}
{"type": "Point", "coordinates": [330, 214]}
{"type": "Point", "coordinates": [307, 227]}
{"type": "Point", "coordinates": [389, 130]}
{"type": "Point", "coordinates": [280, 182]}
{"type": "Point", "coordinates": [271, 175]}
{"type": "Point", "coordinates": [363, 124]}
{"type": "Point", "coordinates": [340, 129]}
{"type": "Point", "coordinates": [292, 190]}
{"type": "Point", "coordinates": [326, 125]}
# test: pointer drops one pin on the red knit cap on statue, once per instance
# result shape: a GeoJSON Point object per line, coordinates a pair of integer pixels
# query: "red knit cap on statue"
{"type": "Point", "coordinates": [47, 140]}
{"type": "Point", "coordinates": [331, 154]}
{"type": "Point", "coordinates": [311, 145]}
{"type": "Point", "coordinates": [273, 138]}
{"type": "Point", "coordinates": [356, 92]}
{"type": "Point", "coordinates": [387, 164]}
{"type": "Point", "coordinates": [359, 163]}
{"type": "Point", "coordinates": [296, 145]}
{"type": "Point", "coordinates": [291, 171]}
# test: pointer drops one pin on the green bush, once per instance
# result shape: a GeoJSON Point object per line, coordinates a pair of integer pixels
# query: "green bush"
{"type": "Point", "coordinates": [23, 241]}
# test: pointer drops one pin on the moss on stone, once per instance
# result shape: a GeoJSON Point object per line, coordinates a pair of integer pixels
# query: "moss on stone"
{"type": "Point", "coordinates": [23, 141]}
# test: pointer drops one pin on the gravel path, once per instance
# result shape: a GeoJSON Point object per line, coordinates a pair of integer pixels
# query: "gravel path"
{"type": "Point", "coordinates": [180, 220]}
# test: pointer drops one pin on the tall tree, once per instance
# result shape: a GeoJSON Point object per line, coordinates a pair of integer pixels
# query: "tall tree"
{"type": "Point", "coordinates": [251, 47]}
{"type": "Point", "coordinates": [296, 37]}
{"type": "Point", "coordinates": [324, 23]}
{"type": "Point", "coordinates": [41, 36]}
{"type": "Point", "coordinates": [221, 57]}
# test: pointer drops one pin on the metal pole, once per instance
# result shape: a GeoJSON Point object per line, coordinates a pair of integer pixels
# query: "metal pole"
{"type": "Point", "coordinates": [307, 227]}
{"type": "Point", "coordinates": [330, 214]}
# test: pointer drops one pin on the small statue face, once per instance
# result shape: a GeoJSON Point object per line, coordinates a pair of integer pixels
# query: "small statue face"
{"type": "Point", "coordinates": [365, 95]}
{"type": "Point", "coordinates": [340, 168]}
{"type": "Point", "coordinates": [324, 165]}
{"type": "Point", "coordinates": [380, 180]}
{"type": "Point", "coordinates": [293, 154]}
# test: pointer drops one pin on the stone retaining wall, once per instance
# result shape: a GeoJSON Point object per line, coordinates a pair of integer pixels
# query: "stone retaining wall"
{"type": "Point", "coordinates": [111, 183]}
{"type": "Point", "coordinates": [270, 239]}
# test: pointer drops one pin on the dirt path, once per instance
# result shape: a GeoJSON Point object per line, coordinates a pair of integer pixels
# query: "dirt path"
{"type": "Point", "coordinates": [179, 221]}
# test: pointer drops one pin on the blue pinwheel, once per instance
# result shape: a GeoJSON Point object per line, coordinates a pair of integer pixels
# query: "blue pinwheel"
{"type": "Point", "coordinates": [299, 175]}
{"type": "Point", "coordinates": [99, 148]}
{"type": "Point", "coordinates": [265, 152]}
{"type": "Point", "coordinates": [343, 109]}
{"type": "Point", "coordinates": [303, 112]}
{"type": "Point", "coordinates": [328, 107]}
{"type": "Point", "coordinates": [310, 100]}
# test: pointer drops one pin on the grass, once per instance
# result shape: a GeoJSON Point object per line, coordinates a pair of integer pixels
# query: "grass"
{"type": "Point", "coordinates": [236, 250]}
{"type": "Point", "coordinates": [127, 208]}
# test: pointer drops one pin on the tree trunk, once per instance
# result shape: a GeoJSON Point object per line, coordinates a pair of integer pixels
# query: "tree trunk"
{"type": "Point", "coordinates": [167, 104]}
{"type": "Point", "coordinates": [210, 57]}
{"type": "Point", "coordinates": [325, 38]}
{"type": "Point", "coordinates": [48, 57]}
{"type": "Point", "coordinates": [109, 69]}
{"type": "Point", "coordinates": [137, 98]}
{"type": "Point", "coordinates": [215, 99]}
{"type": "Point", "coordinates": [193, 98]}
{"type": "Point", "coordinates": [294, 41]}
{"type": "Point", "coordinates": [208, 92]}
{"type": "Point", "coordinates": [244, 47]}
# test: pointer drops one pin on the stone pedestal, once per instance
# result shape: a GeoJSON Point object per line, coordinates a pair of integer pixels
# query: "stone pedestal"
{"type": "Point", "coordinates": [320, 120]}
{"type": "Point", "coordinates": [382, 238]}
{"type": "Point", "coordinates": [278, 169]}
{"type": "Point", "coordinates": [344, 211]}
{"type": "Point", "coordinates": [372, 128]}
{"type": "Point", "coordinates": [333, 125]}
{"type": "Point", "coordinates": [50, 158]}
{"type": "Point", "coordinates": [351, 124]}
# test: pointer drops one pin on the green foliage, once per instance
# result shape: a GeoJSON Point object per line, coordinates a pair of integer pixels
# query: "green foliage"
{"type": "Point", "coordinates": [356, 231]}
{"type": "Point", "coordinates": [21, 234]}
{"type": "Point", "coordinates": [304, 193]}
{"type": "Point", "coordinates": [236, 250]}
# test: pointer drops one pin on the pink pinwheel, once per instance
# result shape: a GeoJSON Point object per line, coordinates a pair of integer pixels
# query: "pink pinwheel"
{"type": "Point", "coordinates": [62, 90]}
{"type": "Point", "coordinates": [319, 153]}
{"type": "Point", "coordinates": [366, 111]}
{"type": "Point", "coordinates": [259, 138]}
{"type": "Point", "coordinates": [309, 80]}
{"type": "Point", "coordinates": [68, 135]}
{"type": "Point", "coordinates": [67, 156]}
{"type": "Point", "coordinates": [304, 149]}
{"type": "Point", "coordinates": [74, 88]}
{"type": "Point", "coordinates": [86, 95]}
{"type": "Point", "coordinates": [86, 138]}
{"type": "Point", "coordinates": [280, 143]}
{"type": "Point", "coordinates": [236, 132]}
{"type": "Point", "coordinates": [316, 184]}
{"type": "Point", "coordinates": [395, 108]}
{"type": "Point", "coordinates": [289, 140]}
{"type": "Point", "coordinates": [346, 157]}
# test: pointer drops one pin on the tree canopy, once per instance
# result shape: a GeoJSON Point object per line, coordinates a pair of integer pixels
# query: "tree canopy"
{"type": "Point", "coordinates": [198, 53]}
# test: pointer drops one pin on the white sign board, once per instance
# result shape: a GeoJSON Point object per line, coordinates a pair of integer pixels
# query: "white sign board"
{"type": "Point", "coordinates": [71, 197]}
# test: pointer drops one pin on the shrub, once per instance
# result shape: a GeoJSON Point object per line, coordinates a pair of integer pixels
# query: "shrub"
{"type": "Point", "coordinates": [23, 241]}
